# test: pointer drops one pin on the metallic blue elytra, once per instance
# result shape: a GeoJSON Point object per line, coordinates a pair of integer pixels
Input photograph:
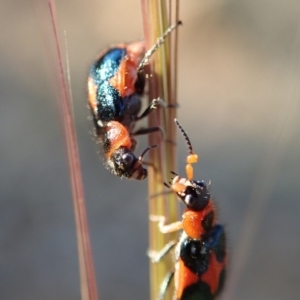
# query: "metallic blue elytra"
{"type": "Point", "coordinates": [109, 100]}
{"type": "Point", "coordinates": [218, 242]}
{"type": "Point", "coordinates": [195, 253]}
{"type": "Point", "coordinates": [107, 65]}
{"type": "Point", "coordinates": [110, 103]}
{"type": "Point", "coordinates": [115, 85]}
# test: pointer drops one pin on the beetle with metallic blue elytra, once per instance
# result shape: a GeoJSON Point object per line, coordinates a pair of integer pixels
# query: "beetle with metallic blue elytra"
{"type": "Point", "coordinates": [201, 253]}
{"type": "Point", "coordinates": [115, 85]}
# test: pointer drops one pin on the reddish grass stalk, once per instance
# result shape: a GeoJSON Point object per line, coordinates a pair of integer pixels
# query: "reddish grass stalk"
{"type": "Point", "coordinates": [87, 274]}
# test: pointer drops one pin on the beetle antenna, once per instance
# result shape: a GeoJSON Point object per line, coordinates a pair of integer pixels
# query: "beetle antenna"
{"type": "Point", "coordinates": [167, 185]}
{"type": "Point", "coordinates": [159, 42]}
{"type": "Point", "coordinates": [185, 136]}
{"type": "Point", "coordinates": [145, 151]}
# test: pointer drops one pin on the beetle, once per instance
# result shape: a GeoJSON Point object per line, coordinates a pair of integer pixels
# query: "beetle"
{"type": "Point", "coordinates": [116, 83]}
{"type": "Point", "coordinates": [200, 253]}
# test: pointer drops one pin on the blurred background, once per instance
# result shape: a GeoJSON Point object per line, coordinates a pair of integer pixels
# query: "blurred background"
{"type": "Point", "coordinates": [239, 72]}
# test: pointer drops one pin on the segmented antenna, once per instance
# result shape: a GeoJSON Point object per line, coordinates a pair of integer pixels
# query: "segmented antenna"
{"type": "Point", "coordinates": [167, 185]}
{"type": "Point", "coordinates": [159, 42]}
{"type": "Point", "coordinates": [192, 158]}
{"type": "Point", "coordinates": [185, 136]}
{"type": "Point", "coordinates": [145, 151]}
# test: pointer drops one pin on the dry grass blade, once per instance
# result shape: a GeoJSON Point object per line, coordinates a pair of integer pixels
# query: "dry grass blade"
{"type": "Point", "coordinates": [157, 17]}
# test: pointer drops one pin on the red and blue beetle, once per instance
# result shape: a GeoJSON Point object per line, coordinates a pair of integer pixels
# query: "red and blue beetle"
{"type": "Point", "coordinates": [200, 253]}
{"type": "Point", "coordinates": [116, 83]}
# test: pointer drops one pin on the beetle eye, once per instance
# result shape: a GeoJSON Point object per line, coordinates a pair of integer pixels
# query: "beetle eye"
{"type": "Point", "coordinates": [196, 198]}
{"type": "Point", "coordinates": [189, 200]}
{"type": "Point", "coordinates": [127, 159]}
{"type": "Point", "coordinates": [201, 184]}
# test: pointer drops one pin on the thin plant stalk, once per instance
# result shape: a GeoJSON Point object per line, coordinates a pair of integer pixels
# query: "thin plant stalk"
{"type": "Point", "coordinates": [162, 83]}
{"type": "Point", "coordinates": [87, 275]}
